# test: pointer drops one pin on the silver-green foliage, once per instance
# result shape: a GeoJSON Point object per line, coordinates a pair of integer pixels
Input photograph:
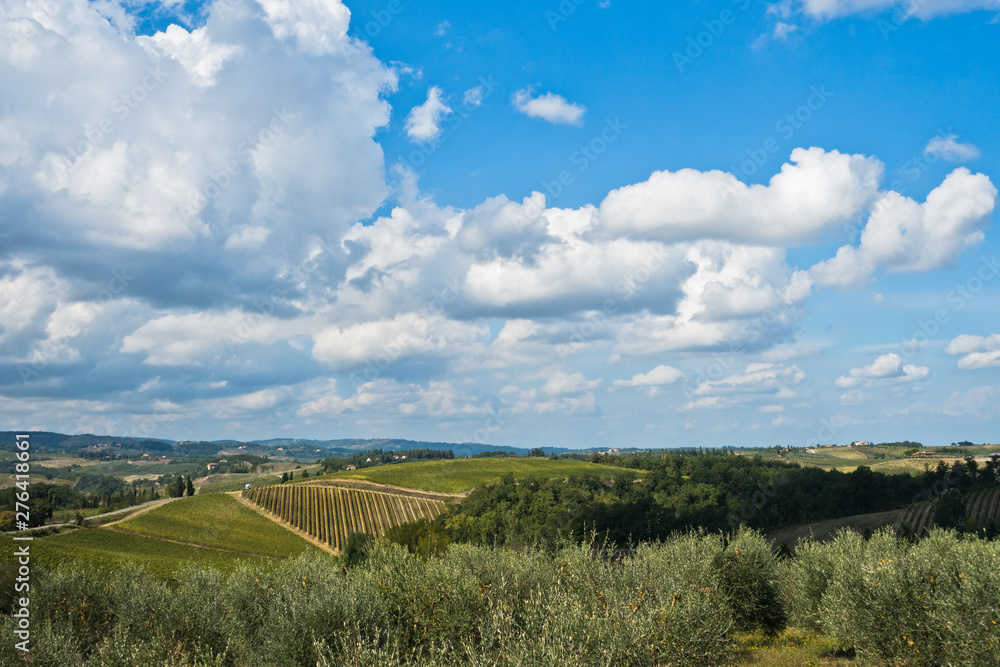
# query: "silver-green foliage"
{"type": "Point", "coordinates": [933, 602]}
{"type": "Point", "coordinates": [474, 605]}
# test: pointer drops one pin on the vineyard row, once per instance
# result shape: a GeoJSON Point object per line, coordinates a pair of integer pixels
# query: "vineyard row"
{"type": "Point", "coordinates": [980, 507]}
{"type": "Point", "coordinates": [330, 513]}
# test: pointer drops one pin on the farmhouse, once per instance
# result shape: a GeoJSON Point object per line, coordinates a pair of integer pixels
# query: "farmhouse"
{"type": "Point", "coordinates": [860, 443]}
{"type": "Point", "coordinates": [352, 467]}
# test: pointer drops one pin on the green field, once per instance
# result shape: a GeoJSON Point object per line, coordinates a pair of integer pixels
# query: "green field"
{"type": "Point", "coordinates": [889, 460]}
{"type": "Point", "coordinates": [218, 520]}
{"type": "Point", "coordinates": [461, 475]}
{"type": "Point", "coordinates": [108, 548]}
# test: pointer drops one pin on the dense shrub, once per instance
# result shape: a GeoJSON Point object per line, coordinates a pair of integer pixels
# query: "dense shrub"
{"type": "Point", "coordinates": [804, 580]}
{"type": "Point", "coordinates": [931, 603]}
{"type": "Point", "coordinates": [678, 602]}
{"type": "Point", "coordinates": [473, 605]}
{"type": "Point", "coordinates": [748, 578]}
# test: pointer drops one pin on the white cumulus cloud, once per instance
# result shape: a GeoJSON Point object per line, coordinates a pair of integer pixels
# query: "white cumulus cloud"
{"type": "Point", "coordinates": [976, 351]}
{"type": "Point", "coordinates": [814, 191]}
{"type": "Point", "coordinates": [886, 369]}
{"type": "Point", "coordinates": [906, 236]}
{"type": "Point", "coordinates": [949, 148]}
{"type": "Point", "coordinates": [424, 121]}
{"type": "Point", "coordinates": [924, 9]}
{"type": "Point", "coordinates": [652, 380]}
{"type": "Point", "coordinates": [551, 107]}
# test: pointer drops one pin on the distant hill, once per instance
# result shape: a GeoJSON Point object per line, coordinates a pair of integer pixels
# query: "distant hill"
{"type": "Point", "coordinates": [46, 441]}
{"type": "Point", "coordinates": [353, 445]}
{"type": "Point", "coordinates": [59, 442]}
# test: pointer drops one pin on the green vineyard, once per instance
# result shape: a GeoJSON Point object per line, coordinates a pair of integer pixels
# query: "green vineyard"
{"type": "Point", "coordinates": [980, 507]}
{"type": "Point", "coordinates": [330, 513]}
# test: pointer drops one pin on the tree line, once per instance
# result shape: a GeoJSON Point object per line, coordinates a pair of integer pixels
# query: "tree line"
{"type": "Point", "coordinates": [676, 493]}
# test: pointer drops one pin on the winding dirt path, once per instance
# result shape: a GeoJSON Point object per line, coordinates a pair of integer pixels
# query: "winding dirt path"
{"type": "Point", "coordinates": [142, 508]}
{"type": "Point", "coordinates": [387, 488]}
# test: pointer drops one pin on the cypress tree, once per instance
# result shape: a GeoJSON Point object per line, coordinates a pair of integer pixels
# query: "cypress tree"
{"type": "Point", "coordinates": [190, 486]}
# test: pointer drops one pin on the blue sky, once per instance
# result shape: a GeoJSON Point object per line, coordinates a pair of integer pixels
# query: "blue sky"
{"type": "Point", "coordinates": [575, 224]}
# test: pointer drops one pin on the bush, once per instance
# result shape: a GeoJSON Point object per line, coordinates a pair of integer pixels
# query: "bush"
{"type": "Point", "coordinates": [748, 578]}
{"type": "Point", "coordinates": [936, 602]}
{"type": "Point", "coordinates": [678, 602]}
{"type": "Point", "coordinates": [804, 579]}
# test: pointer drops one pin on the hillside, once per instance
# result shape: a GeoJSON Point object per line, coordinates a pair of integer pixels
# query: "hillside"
{"type": "Point", "coordinates": [112, 549]}
{"type": "Point", "coordinates": [461, 475]}
{"type": "Point", "coordinates": [981, 507]}
{"type": "Point", "coordinates": [215, 520]}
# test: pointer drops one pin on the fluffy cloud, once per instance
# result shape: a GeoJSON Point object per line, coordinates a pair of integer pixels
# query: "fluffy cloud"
{"type": "Point", "coordinates": [318, 26]}
{"type": "Point", "coordinates": [757, 378]}
{"type": "Point", "coordinates": [424, 121]}
{"type": "Point", "coordinates": [551, 107]}
{"type": "Point", "coordinates": [760, 384]}
{"type": "Point", "coordinates": [976, 351]}
{"type": "Point", "coordinates": [198, 338]}
{"type": "Point", "coordinates": [886, 369]}
{"type": "Point", "coordinates": [827, 9]}
{"type": "Point", "coordinates": [948, 148]}
{"type": "Point", "coordinates": [138, 157]}
{"type": "Point", "coordinates": [653, 380]}
{"type": "Point", "coordinates": [228, 174]}
{"type": "Point", "coordinates": [813, 192]}
{"type": "Point", "coordinates": [562, 383]}
{"type": "Point", "coordinates": [737, 294]}
{"type": "Point", "coordinates": [386, 342]}
{"type": "Point", "coordinates": [903, 235]}
{"type": "Point", "coordinates": [193, 50]}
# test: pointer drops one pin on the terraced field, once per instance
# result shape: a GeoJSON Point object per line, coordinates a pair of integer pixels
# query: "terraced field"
{"type": "Point", "coordinates": [461, 475]}
{"type": "Point", "coordinates": [331, 513]}
{"type": "Point", "coordinates": [220, 521]}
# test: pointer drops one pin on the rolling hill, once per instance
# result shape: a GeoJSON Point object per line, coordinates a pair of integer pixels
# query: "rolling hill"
{"type": "Point", "coordinates": [461, 475]}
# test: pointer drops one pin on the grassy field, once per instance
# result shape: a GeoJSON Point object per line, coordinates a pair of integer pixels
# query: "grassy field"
{"type": "Point", "coordinates": [460, 475]}
{"type": "Point", "coordinates": [10, 480]}
{"type": "Point", "coordinates": [889, 460]}
{"type": "Point", "coordinates": [791, 648]}
{"type": "Point", "coordinates": [217, 520]}
{"type": "Point", "coordinates": [112, 549]}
